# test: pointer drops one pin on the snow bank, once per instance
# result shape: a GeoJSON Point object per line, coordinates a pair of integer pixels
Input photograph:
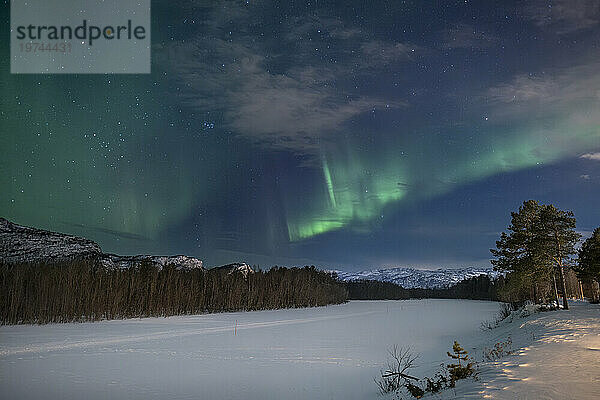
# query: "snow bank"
{"type": "Point", "coordinates": [556, 355]}
{"type": "Point", "coordinates": [329, 352]}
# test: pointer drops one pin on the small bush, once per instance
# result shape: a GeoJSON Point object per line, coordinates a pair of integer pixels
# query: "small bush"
{"type": "Point", "coordinates": [465, 367]}
{"type": "Point", "coordinates": [499, 350]}
{"type": "Point", "coordinates": [504, 312]}
{"type": "Point", "coordinates": [414, 390]}
{"type": "Point", "coordinates": [439, 382]}
{"type": "Point", "coordinates": [396, 379]}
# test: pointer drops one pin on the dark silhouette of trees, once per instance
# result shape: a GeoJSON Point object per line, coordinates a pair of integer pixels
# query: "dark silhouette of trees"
{"type": "Point", "coordinates": [539, 245]}
{"type": "Point", "coordinates": [588, 268]}
{"type": "Point", "coordinates": [475, 288]}
{"type": "Point", "coordinates": [83, 291]}
{"type": "Point", "coordinates": [375, 290]}
{"type": "Point", "coordinates": [558, 238]}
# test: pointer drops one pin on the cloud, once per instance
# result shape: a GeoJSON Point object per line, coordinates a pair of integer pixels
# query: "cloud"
{"type": "Point", "coordinates": [545, 117]}
{"type": "Point", "coordinates": [282, 99]}
{"type": "Point", "coordinates": [524, 88]}
{"type": "Point", "coordinates": [591, 156]}
{"type": "Point", "coordinates": [297, 109]}
{"type": "Point", "coordinates": [585, 234]}
{"type": "Point", "coordinates": [585, 177]}
{"type": "Point", "coordinates": [379, 52]}
{"type": "Point", "coordinates": [572, 90]}
{"type": "Point", "coordinates": [564, 16]}
{"type": "Point", "coordinates": [467, 36]}
{"type": "Point", "coordinates": [112, 232]}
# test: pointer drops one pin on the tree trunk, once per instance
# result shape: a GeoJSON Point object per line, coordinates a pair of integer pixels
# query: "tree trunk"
{"type": "Point", "coordinates": [564, 288]}
{"type": "Point", "coordinates": [555, 288]}
{"type": "Point", "coordinates": [595, 291]}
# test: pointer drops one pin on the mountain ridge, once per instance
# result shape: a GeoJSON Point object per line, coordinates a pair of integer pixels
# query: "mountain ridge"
{"type": "Point", "coordinates": [412, 278]}
{"type": "Point", "coordinates": [22, 244]}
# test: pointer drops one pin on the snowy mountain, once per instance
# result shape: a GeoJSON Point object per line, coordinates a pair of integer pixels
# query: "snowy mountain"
{"type": "Point", "coordinates": [410, 278]}
{"type": "Point", "coordinates": [180, 262]}
{"type": "Point", "coordinates": [23, 244]}
{"type": "Point", "coordinates": [242, 268]}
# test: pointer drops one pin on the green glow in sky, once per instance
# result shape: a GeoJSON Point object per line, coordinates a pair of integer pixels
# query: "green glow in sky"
{"type": "Point", "coordinates": [353, 191]}
{"type": "Point", "coordinates": [357, 187]}
{"type": "Point", "coordinates": [282, 132]}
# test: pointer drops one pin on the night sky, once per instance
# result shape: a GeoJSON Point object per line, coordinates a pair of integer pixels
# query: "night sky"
{"type": "Point", "coordinates": [350, 135]}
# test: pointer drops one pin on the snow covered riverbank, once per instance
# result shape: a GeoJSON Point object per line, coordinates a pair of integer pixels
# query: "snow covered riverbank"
{"type": "Point", "coordinates": [556, 356]}
{"type": "Point", "coordinates": [329, 352]}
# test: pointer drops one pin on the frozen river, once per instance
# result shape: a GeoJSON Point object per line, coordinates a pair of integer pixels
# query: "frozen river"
{"type": "Point", "coordinates": [329, 352]}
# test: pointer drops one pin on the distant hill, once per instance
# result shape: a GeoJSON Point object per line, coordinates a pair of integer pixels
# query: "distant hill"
{"type": "Point", "coordinates": [242, 268]}
{"type": "Point", "coordinates": [53, 277]}
{"type": "Point", "coordinates": [21, 244]}
{"type": "Point", "coordinates": [412, 278]}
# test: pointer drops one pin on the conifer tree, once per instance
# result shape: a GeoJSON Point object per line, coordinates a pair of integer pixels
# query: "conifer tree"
{"type": "Point", "coordinates": [557, 240]}
{"type": "Point", "coordinates": [517, 252]}
{"type": "Point", "coordinates": [464, 368]}
{"type": "Point", "coordinates": [541, 241]}
{"type": "Point", "coordinates": [588, 268]}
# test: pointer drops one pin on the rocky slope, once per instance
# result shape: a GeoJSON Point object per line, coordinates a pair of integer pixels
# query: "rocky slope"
{"type": "Point", "coordinates": [20, 244]}
{"type": "Point", "coordinates": [180, 262]}
{"type": "Point", "coordinates": [410, 278]}
{"type": "Point", "coordinates": [242, 268]}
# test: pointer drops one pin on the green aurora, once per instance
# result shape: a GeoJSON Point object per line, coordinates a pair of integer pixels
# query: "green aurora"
{"type": "Point", "coordinates": [290, 132]}
{"type": "Point", "coordinates": [358, 188]}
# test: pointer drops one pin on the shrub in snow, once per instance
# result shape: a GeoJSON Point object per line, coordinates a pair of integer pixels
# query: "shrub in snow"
{"type": "Point", "coordinates": [529, 309]}
{"type": "Point", "coordinates": [499, 350]}
{"type": "Point", "coordinates": [506, 311]}
{"type": "Point", "coordinates": [396, 379]}
{"type": "Point", "coordinates": [464, 367]}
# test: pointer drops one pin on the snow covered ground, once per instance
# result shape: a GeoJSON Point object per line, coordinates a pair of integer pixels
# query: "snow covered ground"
{"type": "Point", "coordinates": [556, 356]}
{"type": "Point", "coordinates": [318, 353]}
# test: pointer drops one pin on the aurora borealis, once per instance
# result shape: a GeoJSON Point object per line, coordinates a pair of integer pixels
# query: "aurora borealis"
{"type": "Point", "coordinates": [347, 135]}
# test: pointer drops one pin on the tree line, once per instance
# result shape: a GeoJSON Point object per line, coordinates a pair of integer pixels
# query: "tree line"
{"type": "Point", "coordinates": [475, 288]}
{"type": "Point", "coordinates": [81, 290]}
{"type": "Point", "coordinates": [539, 255]}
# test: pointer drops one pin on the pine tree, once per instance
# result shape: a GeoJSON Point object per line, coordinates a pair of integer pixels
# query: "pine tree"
{"type": "Point", "coordinates": [518, 253]}
{"type": "Point", "coordinates": [540, 242]}
{"type": "Point", "coordinates": [557, 240]}
{"type": "Point", "coordinates": [589, 262]}
{"type": "Point", "coordinates": [464, 368]}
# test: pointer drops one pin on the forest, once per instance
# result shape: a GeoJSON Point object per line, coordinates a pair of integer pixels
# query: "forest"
{"type": "Point", "coordinates": [538, 256]}
{"type": "Point", "coordinates": [476, 288]}
{"type": "Point", "coordinates": [80, 290]}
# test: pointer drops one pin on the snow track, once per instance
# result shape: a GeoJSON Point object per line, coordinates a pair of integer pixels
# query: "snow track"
{"type": "Point", "coordinates": [319, 353]}
{"type": "Point", "coordinates": [171, 334]}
